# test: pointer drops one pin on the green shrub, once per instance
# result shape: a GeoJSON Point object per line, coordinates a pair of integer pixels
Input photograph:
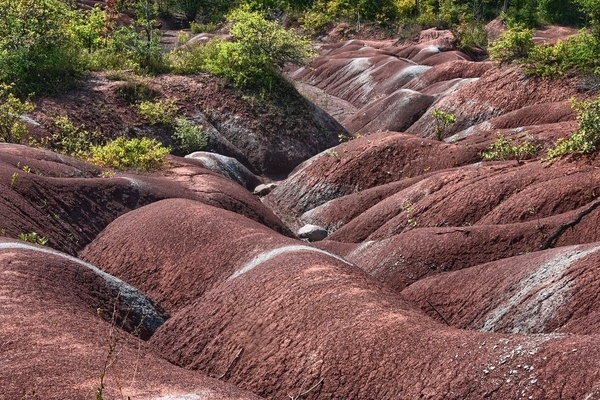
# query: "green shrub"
{"type": "Point", "coordinates": [586, 139]}
{"type": "Point", "coordinates": [253, 58]}
{"type": "Point", "coordinates": [442, 121]}
{"type": "Point", "coordinates": [37, 50]}
{"type": "Point", "coordinates": [12, 127]}
{"type": "Point", "coordinates": [513, 44]}
{"type": "Point", "coordinates": [200, 28]}
{"type": "Point", "coordinates": [129, 48]}
{"type": "Point", "coordinates": [470, 34]}
{"type": "Point", "coordinates": [69, 139]}
{"type": "Point", "coordinates": [140, 154]}
{"type": "Point", "coordinates": [189, 138]}
{"type": "Point", "coordinates": [505, 149]}
{"type": "Point", "coordinates": [88, 27]}
{"type": "Point", "coordinates": [578, 52]}
{"type": "Point", "coordinates": [191, 58]}
{"type": "Point", "coordinates": [315, 21]}
{"type": "Point", "coordinates": [158, 112]}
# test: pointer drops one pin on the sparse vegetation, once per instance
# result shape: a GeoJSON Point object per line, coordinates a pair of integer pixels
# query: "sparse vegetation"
{"type": "Point", "coordinates": [12, 127]}
{"type": "Point", "coordinates": [442, 121]}
{"type": "Point", "coordinates": [13, 178]}
{"type": "Point", "coordinates": [506, 149]}
{"type": "Point", "coordinates": [135, 89]}
{"type": "Point", "coordinates": [69, 139]}
{"type": "Point", "coordinates": [33, 237]}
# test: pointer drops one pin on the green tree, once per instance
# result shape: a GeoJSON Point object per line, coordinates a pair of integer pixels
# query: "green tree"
{"type": "Point", "coordinates": [592, 9]}
{"type": "Point", "coordinates": [37, 50]}
{"type": "Point", "coordinates": [260, 46]}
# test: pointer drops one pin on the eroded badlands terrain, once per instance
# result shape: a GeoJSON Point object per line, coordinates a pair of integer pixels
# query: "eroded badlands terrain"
{"type": "Point", "coordinates": [437, 279]}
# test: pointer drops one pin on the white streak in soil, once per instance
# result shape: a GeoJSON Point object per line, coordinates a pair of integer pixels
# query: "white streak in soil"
{"type": "Point", "coordinates": [539, 294]}
{"type": "Point", "coordinates": [270, 254]}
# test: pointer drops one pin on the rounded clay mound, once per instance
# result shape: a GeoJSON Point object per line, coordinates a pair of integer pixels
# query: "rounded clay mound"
{"type": "Point", "coordinates": [56, 316]}
{"type": "Point", "coordinates": [498, 91]}
{"type": "Point", "coordinates": [69, 203]}
{"type": "Point", "coordinates": [361, 164]}
{"type": "Point", "coordinates": [403, 259]}
{"type": "Point", "coordinates": [175, 250]}
{"type": "Point", "coordinates": [471, 195]}
{"type": "Point", "coordinates": [544, 292]}
{"type": "Point", "coordinates": [300, 321]}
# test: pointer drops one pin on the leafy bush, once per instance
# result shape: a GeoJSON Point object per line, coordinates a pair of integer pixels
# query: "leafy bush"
{"type": "Point", "coordinates": [259, 48]}
{"type": "Point", "coordinates": [578, 52]}
{"type": "Point", "coordinates": [515, 43]}
{"type": "Point", "coordinates": [592, 9]}
{"type": "Point", "coordinates": [315, 20]}
{"type": "Point", "coordinates": [158, 112]}
{"type": "Point", "coordinates": [356, 12]}
{"type": "Point", "coordinates": [563, 12]}
{"type": "Point", "coordinates": [199, 28]}
{"type": "Point", "coordinates": [505, 149]}
{"type": "Point", "coordinates": [189, 138]}
{"type": "Point", "coordinates": [140, 154]}
{"type": "Point", "coordinates": [129, 48]}
{"type": "Point", "coordinates": [88, 27]}
{"type": "Point", "coordinates": [37, 49]}
{"type": "Point", "coordinates": [12, 127]}
{"type": "Point", "coordinates": [470, 34]}
{"type": "Point", "coordinates": [69, 139]}
{"type": "Point", "coordinates": [442, 121]}
{"type": "Point", "coordinates": [587, 137]}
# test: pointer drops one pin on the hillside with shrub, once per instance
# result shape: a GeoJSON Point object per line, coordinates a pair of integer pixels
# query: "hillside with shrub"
{"type": "Point", "coordinates": [313, 199]}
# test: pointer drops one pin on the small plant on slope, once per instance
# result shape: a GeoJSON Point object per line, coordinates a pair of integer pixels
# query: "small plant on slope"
{"type": "Point", "coordinates": [158, 112]}
{"type": "Point", "coordinates": [505, 149]}
{"type": "Point", "coordinates": [586, 139]}
{"type": "Point", "coordinates": [188, 137]}
{"type": "Point", "coordinates": [12, 127]}
{"type": "Point", "coordinates": [33, 237]}
{"type": "Point", "coordinates": [442, 121]}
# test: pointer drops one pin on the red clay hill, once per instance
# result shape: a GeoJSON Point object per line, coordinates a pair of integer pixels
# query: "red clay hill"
{"type": "Point", "coordinates": [443, 276]}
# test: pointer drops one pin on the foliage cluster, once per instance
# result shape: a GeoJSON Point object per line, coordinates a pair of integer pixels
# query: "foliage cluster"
{"type": "Point", "coordinates": [37, 48]}
{"type": "Point", "coordinates": [258, 48]}
{"type": "Point", "coordinates": [442, 121]}
{"type": "Point", "coordinates": [66, 138]}
{"type": "Point", "coordinates": [506, 149]}
{"type": "Point", "coordinates": [12, 127]}
{"type": "Point", "coordinates": [141, 154]}
{"type": "Point", "coordinates": [587, 137]}
{"type": "Point", "coordinates": [515, 43]}
{"type": "Point", "coordinates": [158, 112]}
{"type": "Point", "coordinates": [189, 138]}
{"type": "Point", "coordinates": [33, 237]}
{"type": "Point", "coordinates": [578, 52]}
